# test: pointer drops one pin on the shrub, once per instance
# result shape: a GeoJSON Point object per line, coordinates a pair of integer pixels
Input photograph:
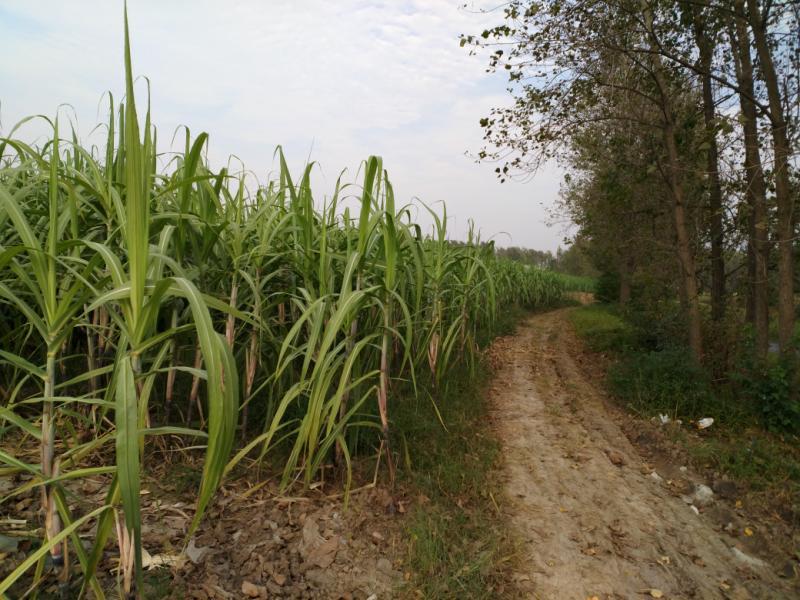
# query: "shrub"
{"type": "Point", "coordinates": [666, 381]}
{"type": "Point", "coordinates": [768, 389]}
{"type": "Point", "coordinates": [607, 287]}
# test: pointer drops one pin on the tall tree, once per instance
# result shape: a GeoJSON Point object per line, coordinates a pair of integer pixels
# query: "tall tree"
{"type": "Point", "coordinates": [754, 178]}
{"type": "Point", "coordinates": [567, 54]}
{"type": "Point", "coordinates": [783, 194]}
{"type": "Point", "coordinates": [705, 40]}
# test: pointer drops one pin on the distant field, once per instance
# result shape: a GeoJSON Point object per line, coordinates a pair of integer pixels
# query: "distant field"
{"type": "Point", "coordinates": [576, 283]}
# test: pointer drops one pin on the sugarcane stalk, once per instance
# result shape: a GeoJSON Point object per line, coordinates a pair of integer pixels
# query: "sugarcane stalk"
{"type": "Point", "coordinates": [49, 467]}
{"type": "Point", "coordinates": [195, 391]}
{"type": "Point", "coordinates": [173, 361]}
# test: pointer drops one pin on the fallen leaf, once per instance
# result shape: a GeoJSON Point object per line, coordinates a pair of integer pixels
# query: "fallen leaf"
{"type": "Point", "coordinates": [154, 561]}
{"type": "Point", "coordinates": [655, 593]}
{"type": "Point", "coordinates": [194, 553]}
{"type": "Point", "coordinates": [748, 532]}
{"type": "Point", "coordinates": [323, 555]}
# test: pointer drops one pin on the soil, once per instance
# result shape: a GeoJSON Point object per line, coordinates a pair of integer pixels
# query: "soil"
{"type": "Point", "coordinates": [253, 542]}
{"type": "Point", "coordinates": [267, 546]}
{"type": "Point", "coordinates": [594, 517]}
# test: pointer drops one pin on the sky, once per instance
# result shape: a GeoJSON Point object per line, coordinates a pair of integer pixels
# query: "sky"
{"type": "Point", "coordinates": [333, 82]}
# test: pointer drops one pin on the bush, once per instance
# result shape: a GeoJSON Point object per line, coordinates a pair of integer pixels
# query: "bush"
{"type": "Point", "coordinates": [768, 389]}
{"type": "Point", "coordinates": [666, 381]}
{"type": "Point", "coordinates": [607, 288]}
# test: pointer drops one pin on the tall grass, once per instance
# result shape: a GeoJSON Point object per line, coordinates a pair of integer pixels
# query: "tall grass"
{"type": "Point", "coordinates": [140, 302]}
{"type": "Point", "coordinates": [578, 283]}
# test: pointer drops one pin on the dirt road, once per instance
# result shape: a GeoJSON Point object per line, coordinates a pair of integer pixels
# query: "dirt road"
{"type": "Point", "coordinates": [591, 519]}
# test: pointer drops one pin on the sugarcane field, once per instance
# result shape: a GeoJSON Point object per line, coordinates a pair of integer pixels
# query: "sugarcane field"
{"type": "Point", "coordinates": [421, 299]}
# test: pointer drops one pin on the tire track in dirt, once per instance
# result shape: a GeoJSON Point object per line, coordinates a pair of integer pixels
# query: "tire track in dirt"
{"type": "Point", "coordinates": [588, 520]}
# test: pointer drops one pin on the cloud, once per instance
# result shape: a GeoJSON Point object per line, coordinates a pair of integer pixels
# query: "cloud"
{"type": "Point", "coordinates": [339, 79]}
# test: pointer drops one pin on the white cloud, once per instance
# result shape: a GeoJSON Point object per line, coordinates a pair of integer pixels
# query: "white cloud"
{"type": "Point", "coordinates": [350, 78]}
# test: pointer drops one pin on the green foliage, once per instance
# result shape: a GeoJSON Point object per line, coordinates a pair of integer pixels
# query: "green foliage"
{"type": "Point", "coordinates": [602, 328]}
{"type": "Point", "coordinates": [607, 288]}
{"type": "Point", "coordinates": [457, 544]}
{"type": "Point", "coordinates": [769, 390]}
{"type": "Point", "coordinates": [578, 283]}
{"type": "Point", "coordinates": [664, 382]}
{"type": "Point", "coordinates": [118, 280]}
{"type": "Point", "coordinates": [572, 261]}
{"type": "Point", "coordinates": [653, 376]}
{"type": "Point", "coordinates": [761, 460]}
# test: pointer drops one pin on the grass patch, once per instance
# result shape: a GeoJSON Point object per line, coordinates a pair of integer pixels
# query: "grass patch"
{"type": "Point", "coordinates": [602, 328]}
{"type": "Point", "coordinates": [459, 547]}
{"type": "Point", "coordinates": [751, 439]}
{"type": "Point", "coordinates": [663, 382]}
{"type": "Point", "coordinates": [762, 460]}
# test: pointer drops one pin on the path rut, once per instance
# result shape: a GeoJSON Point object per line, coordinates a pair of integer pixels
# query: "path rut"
{"type": "Point", "coordinates": [588, 527]}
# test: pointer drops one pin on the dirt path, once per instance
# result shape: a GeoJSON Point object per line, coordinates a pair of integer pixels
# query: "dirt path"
{"type": "Point", "coordinates": [590, 518]}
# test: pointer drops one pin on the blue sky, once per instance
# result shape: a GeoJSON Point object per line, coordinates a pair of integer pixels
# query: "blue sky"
{"type": "Point", "coordinates": [334, 80]}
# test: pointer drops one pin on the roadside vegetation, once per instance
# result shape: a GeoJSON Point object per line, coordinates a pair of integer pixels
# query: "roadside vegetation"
{"type": "Point", "coordinates": [145, 306]}
{"type": "Point", "coordinates": [754, 436]}
{"type": "Point", "coordinates": [459, 545]}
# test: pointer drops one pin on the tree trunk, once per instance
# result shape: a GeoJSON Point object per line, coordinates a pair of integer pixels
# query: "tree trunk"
{"type": "Point", "coordinates": [624, 281]}
{"type": "Point", "coordinates": [688, 271]}
{"type": "Point", "coordinates": [684, 249]}
{"type": "Point", "coordinates": [781, 151]}
{"type": "Point", "coordinates": [673, 175]}
{"type": "Point", "coordinates": [758, 245]}
{"type": "Point", "coordinates": [705, 47]}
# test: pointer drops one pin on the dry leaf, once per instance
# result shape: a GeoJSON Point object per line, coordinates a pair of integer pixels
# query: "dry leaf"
{"type": "Point", "coordinates": [323, 555]}
{"type": "Point", "coordinates": [748, 532]}
{"type": "Point", "coordinates": [153, 561]}
{"type": "Point", "coordinates": [194, 553]}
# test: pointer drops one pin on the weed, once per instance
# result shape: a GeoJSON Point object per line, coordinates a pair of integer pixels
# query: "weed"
{"type": "Point", "coordinates": [602, 329]}
{"type": "Point", "coordinates": [457, 541]}
{"type": "Point", "coordinates": [666, 381]}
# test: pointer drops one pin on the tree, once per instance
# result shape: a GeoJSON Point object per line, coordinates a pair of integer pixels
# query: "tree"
{"type": "Point", "coordinates": [580, 62]}
{"type": "Point", "coordinates": [681, 70]}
